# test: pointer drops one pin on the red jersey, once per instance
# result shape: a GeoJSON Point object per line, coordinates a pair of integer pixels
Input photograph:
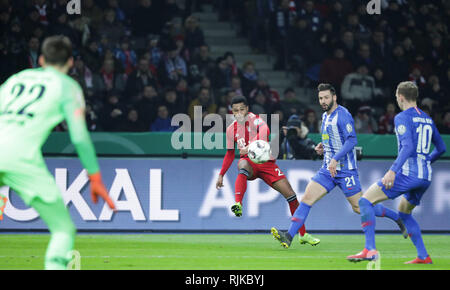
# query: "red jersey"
{"type": "Point", "coordinates": [243, 134]}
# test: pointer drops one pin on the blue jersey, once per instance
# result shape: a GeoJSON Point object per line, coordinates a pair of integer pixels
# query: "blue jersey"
{"type": "Point", "coordinates": [415, 132]}
{"type": "Point", "coordinates": [339, 139]}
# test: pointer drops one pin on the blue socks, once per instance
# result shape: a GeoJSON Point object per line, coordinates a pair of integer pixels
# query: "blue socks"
{"type": "Point", "coordinates": [368, 222]}
{"type": "Point", "coordinates": [381, 211]}
{"type": "Point", "coordinates": [414, 233]}
{"type": "Point", "coordinates": [298, 218]}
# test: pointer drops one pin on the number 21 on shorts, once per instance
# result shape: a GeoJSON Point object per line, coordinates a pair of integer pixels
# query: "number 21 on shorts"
{"type": "Point", "coordinates": [350, 181]}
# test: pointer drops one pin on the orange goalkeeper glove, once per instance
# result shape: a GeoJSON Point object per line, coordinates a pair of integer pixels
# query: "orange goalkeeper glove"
{"type": "Point", "coordinates": [99, 189]}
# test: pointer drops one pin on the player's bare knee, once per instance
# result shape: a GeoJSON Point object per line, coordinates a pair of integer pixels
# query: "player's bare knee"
{"type": "Point", "coordinates": [245, 168]}
{"type": "Point", "coordinates": [356, 209]}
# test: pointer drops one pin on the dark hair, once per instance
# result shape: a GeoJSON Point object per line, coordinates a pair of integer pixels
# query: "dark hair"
{"type": "Point", "coordinates": [57, 50]}
{"type": "Point", "coordinates": [326, 87]}
{"type": "Point", "coordinates": [239, 99]}
{"type": "Point", "coordinates": [409, 90]}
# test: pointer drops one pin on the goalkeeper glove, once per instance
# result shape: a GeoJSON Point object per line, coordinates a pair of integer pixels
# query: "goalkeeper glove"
{"type": "Point", "coordinates": [237, 209]}
{"type": "Point", "coordinates": [98, 189]}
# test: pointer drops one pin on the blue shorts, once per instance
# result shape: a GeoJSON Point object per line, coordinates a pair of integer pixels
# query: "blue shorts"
{"type": "Point", "coordinates": [348, 181]}
{"type": "Point", "coordinates": [412, 188]}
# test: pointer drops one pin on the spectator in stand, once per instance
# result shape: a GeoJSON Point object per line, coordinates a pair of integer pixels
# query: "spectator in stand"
{"type": "Point", "coordinates": [416, 77]}
{"type": "Point", "coordinates": [43, 8]}
{"type": "Point", "coordinates": [154, 50]}
{"type": "Point", "coordinates": [221, 74]}
{"type": "Point", "coordinates": [249, 76]}
{"type": "Point", "coordinates": [120, 13]}
{"type": "Point", "coordinates": [145, 20]}
{"type": "Point", "coordinates": [280, 22]}
{"type": "Point", "coordinates": [364, 57]}
{"type": "Point", "coordinates": [184, 94]}
{"type": "Point", "coordinates": [272, 96]}
{"type": "Point", "coordinates": [433, 95]}
{"type": "Point", "coordinates": [33, 52]}
{"type": "Point", "coordinates": [92, 11]}
{"type": "Point", "coordinates": [126, 55]}
{"type": "Point", "coordinates": [386, 122]}
{"type": "Point", "coordinates": [364, 121]}
{"type": "Point", "coordinates": [146, 106]}
{"type": "Point", "coordinates": [347, 43]}
{"type": "Point", "coordinates": [260, 104]}
{"type": "Point", "coordinates": [335, 68]}
{"type": "Point", "coordinates": [202, 61]}
{"type": "Point", "coordinates": [174, 104]}
{"type": "Point", "coordinates": [163, 122]}
{"type": "Point", "coordinates": [194, 35]}
{"type": "Point", "coordinates": [360, 32]}
{"type": "Point", "coordinates": [222, 112]}
{"type": "Point", "coordinates": [112, 113]}
{"type": "Point", "coordinates": [111, 28]}
{"type": "Point", "coordinates": [204, 100]}
{"type": "Point", "coordinates": [398, 66]}
{"type": "Point", "coordinates": [380, 50]}
{"type": "Point", "coordinates": [236, 85]}
{"type": "Point", "coordinates": [231, 62]}
{"type": "Point", "coordinates": [304, 49]}
{"type": "Point", "coordinates": [311, 122]}
{"type": "Point", "coordinates": [85, 77]}
{"type": "Point", "coordinates": [311, 15]}
{"type": "Point", "coordinates": [182, 50]}
{"type": "Point", "coordinates": [444, 126]}
{"type": "Point", "coordinates": [133, 122]}
{"type": "Point", "coordinates": [109, 79]}
{"type": "Point", "coordinates": [91, 55]}
{"type": "Point", "coordinates": [225, 100]}
{"type": "Point", "coordinates": [172, 67]}
{"type": "Point", "coordinates": [62, 27]}
{"type": "Point", "coordinates": [337, 14]}
{"type": "Point", "coordinates": [357, 89]}
{"type": "Point", "coordinates": [139, 79]}
{"type": "Point", "coordinates": [422, 64]}
{"type": "Point", "coordinates": [291, 104]}
{"type": "Point", "coordinates": [437, 51]}
{"type": "Point", "coordinates": [382, 86]}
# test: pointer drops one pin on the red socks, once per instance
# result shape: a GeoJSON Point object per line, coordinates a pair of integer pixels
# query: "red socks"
{"type": "Point", "coordinates": [240, 187]}
{"type": "Point", "coordinates": [293, 204]}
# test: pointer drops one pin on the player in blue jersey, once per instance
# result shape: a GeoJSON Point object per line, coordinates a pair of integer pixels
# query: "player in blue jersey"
{"type": "Point", "coordinates": [409, 175]}
{"type": "Point", "coordinates": [339, 166]}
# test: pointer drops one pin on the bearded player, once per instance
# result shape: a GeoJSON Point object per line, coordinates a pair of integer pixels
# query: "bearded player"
{"type": "Point", "coordinates": [246, 128]}
{"type": "Point", "coordinates": [32, 103]}
{"type": "Point", "coordinates": [338, 169]}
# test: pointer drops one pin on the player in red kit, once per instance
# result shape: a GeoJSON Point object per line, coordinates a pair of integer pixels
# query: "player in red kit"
{"type": "Point", "coordinates": [246, 128]}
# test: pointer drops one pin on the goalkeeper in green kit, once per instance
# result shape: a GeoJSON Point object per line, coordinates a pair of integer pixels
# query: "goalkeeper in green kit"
{"type": "Point", "coordinates": [32, 103]}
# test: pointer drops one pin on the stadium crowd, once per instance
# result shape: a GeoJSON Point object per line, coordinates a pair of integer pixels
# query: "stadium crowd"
{"type": "Point", "coordinates": [138, 66]}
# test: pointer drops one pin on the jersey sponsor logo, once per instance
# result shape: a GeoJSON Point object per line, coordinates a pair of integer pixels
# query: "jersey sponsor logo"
{"type": "Point", "coordinates": [325, 138]}
{"type": "Point", "coordinates": [401, 129]}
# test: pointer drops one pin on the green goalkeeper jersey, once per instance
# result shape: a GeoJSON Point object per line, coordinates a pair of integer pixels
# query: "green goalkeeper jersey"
{"type": "Point", "coordinates": [32, 103]}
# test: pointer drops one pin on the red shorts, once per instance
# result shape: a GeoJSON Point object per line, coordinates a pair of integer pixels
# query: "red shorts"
{"type": "Point", "coordinates": [268, 171]}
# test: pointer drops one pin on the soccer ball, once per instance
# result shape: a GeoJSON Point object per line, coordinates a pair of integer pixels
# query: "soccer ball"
{"type": "Point", "coordinates": [259, 151]}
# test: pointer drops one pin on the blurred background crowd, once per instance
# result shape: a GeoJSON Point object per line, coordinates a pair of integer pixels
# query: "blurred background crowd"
{"type": "Point", "coordinates": [140, 62]}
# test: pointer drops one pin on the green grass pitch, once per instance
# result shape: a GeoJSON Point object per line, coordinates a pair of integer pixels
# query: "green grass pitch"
{"type": "Point", "coordinates": [220, 252]}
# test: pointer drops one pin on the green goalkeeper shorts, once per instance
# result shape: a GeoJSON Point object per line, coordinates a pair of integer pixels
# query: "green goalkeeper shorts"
{"type": "Point", "coordinates": [35, 181]}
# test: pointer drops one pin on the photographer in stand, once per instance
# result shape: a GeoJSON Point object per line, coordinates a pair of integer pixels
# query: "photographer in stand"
{"type": "Point", "coordinates": [296, 144]}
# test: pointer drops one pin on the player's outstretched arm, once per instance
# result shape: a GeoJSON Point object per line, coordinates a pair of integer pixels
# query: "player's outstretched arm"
{"type": "Point", "coordinates": [73, 110]}
{"type": "Point", "coordinates": [227, 161]}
